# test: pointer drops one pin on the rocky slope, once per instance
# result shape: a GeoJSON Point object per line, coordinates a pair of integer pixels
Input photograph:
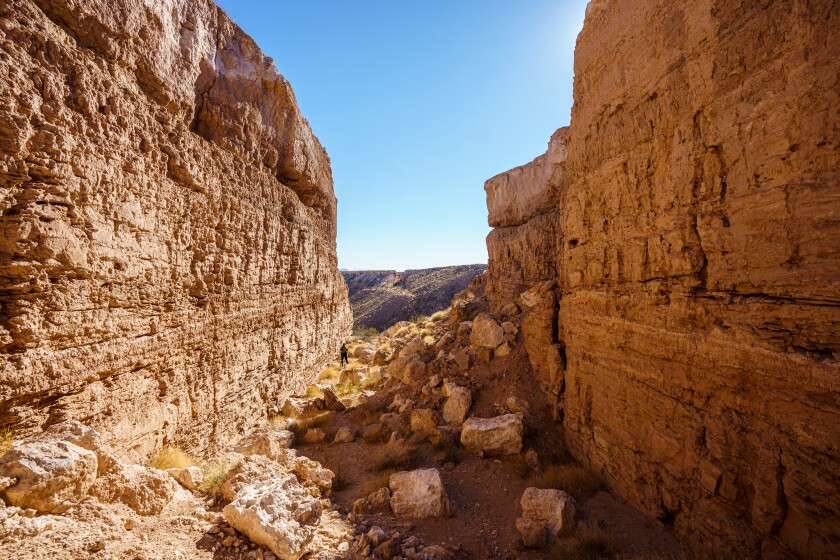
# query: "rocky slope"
{"type": "Point", "coordinates": [686, 225]}
{"type": "Point", "coordinates": [167, 258]}
{"type": "Point", "coordinates": [381, 298]}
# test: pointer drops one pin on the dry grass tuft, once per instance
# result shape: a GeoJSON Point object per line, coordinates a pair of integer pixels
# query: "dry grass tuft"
{"type": "Point", "coordinates": [518, 465]}
{"type": "Point", "coordinates": [215, 472]}
{"type": "Point", "coordinates": [585, 543]}
{"type": "Point", "coordinates": [343, 389]}
{"type": "Point", "coordinates": [572, 479]}
{"type": "Point", "coordinates": [399, 456]}
{"type": "Point", "coordinates": [314, 392]}
{"type": "Point", "coordinates": [376, 481]}
{"type": "Point", "coordinates": [7, 438]}
{"type": "Point", "coordinates": [171, 457]}
{"type": "Point", "coordinates": [331, 373]}
{"type": "Point", "coordinates": [440, 315]}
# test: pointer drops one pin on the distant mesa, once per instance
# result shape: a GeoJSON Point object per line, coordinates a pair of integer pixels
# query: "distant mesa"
{"type": "Point", "coordinates": [380, 298]}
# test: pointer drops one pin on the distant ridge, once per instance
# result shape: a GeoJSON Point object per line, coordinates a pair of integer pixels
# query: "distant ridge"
{"type": "Point", "coordinates": [380, 298]}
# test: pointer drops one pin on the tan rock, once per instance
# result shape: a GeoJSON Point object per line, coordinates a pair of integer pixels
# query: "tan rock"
{"type": "Point", "coordinates": [190, 477]}
{"type": "Point", "coordinates": [266, 442]}
{"type": "Point", "coordinates": [407, 369]}
{"type": "Point", "coordinates": [419, 494]}
{"type": "Point", "coordinates": [380, 500]}
{"type": "Point", "coordinates": [545, 514]}
{"type": "Point", "coordinates": [145, 490]}
{"type": "Point", "coordinates": [502, 350]}
{"type": "Point", "coordinates": [486, 332]}
{"type": "Point", "coordinates": [457, 404]}
{"type": "Point", "coordinates": [462, 360]}
{"type": "Point", "coordinates": [51, 475]}
{"type": "Point", "coordinates": [423, 420]}
{"type": "Point", "coordinates": [501, 435]}
{"type": "Point", "coordinates": [344, 435]}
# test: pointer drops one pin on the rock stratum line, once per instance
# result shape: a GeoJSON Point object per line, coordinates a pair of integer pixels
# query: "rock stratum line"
{"type": "Point", "coordinates": [167, 260]}
{"type": "Point", "coordinates": [689, 216]}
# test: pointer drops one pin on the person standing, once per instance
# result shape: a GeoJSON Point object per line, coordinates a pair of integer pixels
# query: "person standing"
{"type": "Point", "coordinates": [344, 359]}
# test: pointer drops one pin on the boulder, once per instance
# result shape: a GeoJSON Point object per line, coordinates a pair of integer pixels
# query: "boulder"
{"type": "Point", "coordinates": [252, 470]}
{"type": "Point", "coordinates": [509, 328]}
{"type": "Point", "coordinates": [419, 494]}
{"type": "Point", "coordinates": [462, 360]}
{"type": "Point", "coordinates": [395, 328]}
{"type": "Point", "coordinates": [353, 375]}
{"type": "Point", "coordinates": [267, 442]}
{"type": "Point", "coordinates": [310, 471]}
{"type": "Point", "coordinates": [501, 435]}
{"type": "Point", "coordinates": [344, 435]}
{"type": "Point", "coordinates": [190, 477]}
{"type": "Point", "coordinates": [380, 500]}
{"type": "Point", "coordinates": [502, 350]}
{"type": "Point", "coordinates": [331, 401]}
{"type": "Point", "coordinates": [278, 513]}
{"type": "Point", "coordinates": [423, 420]}
{"type": "Point", "coordinates": [145, 490]}
{"type": "Point", "coordinates": [486, 332]}
{"type": "Point", "coordinates": [366, 356]}
{"type": "Point", "coordinates": [457, 404]}
{"type": "Point", "coordinates": [313, 435]}
{"type": "Point", "coordinates": [51, 475]}
{"type": "Point", "coordinates": [415, 348]}
{"type": "Point", "coordinates": [545, 514]}
{"type": "Point", "coordinates": [407, 369]}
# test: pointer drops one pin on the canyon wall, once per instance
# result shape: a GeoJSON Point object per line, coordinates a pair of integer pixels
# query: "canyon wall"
{"type": "Point", "coordinates": [696, 252]}
{"type": "Point", "coordinates": [167, 259]}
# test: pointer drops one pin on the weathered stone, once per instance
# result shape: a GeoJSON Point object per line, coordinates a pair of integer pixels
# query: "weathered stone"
{"type": "Point", "coordinates": [145, 490]}
{"type": "Point", "coordinates": [344, 435]}
{"type": "Point", "coordinates": [266, 442]}
{"type": "Point", "coordinates": [545, 514]}
{"type": "Point", "coordinates": [50, 475]}
{"type": "Point", "coordinates": [502, 350]}
{"type": "Point", "coordinates": [190, 477]}
{"type": "Point", "coordinates": [176, 212]}
{"type": "Point", "coordinates": [462, 360]}
{"type": "Point", "coordinates": [486, 332]}
{"type": "Point", "coordinates": [313, 435]}
{"type": "Point", "coordinates": [407, 369]}
{"type": "Point", "coordinates": [423, 420]}
{"type": "Point", "coordinates": [278, 514]}
{"type": "Point", "coordinates": [331, 401]}
{"type": "Point", "coordinates": [355, 376]}
{"type": "Point", "coordinates": [419, 494]}
{"type": "Point", "coordinates": [457, 404]}
{"type": "Point", "coordinates": [501, 435]}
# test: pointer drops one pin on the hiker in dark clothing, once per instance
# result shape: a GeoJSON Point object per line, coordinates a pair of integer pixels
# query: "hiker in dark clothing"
{"type": "Point", "coordinates": [343, 354]}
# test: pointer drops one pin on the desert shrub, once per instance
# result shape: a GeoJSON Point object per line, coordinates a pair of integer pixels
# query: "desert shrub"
{"type": "Point", "coordinates": [375, 481]}
{"type": "Point", "coordinates": [518, 465]}
{"type": "Point", "coordinates": [572, 479]}
{"type": "Point", "coordinates": [171, 457]}
{"type": "Point", "coordinates": [398, 456]}
{"type": "Point", "coordinates": [418, 319]}
{"type": "Point", "coordinates": [7, 438]}
{"type": "Point", "coordinates": [313, 392]}
{"type": "Point", "coordinates": [451, 454]}
{"type": "Point", "coordinates": [347, 389]}
{"type": "Point", "coordinates": [440, 315]}
{"type": "Point", "coordinates": [586, 542]}
{"type": "Point", "coordinates": [365, 332]}
{"type": "Point", "coordinates": [215, 472]}
{"type": "Point", "coordinates": [330, 373]}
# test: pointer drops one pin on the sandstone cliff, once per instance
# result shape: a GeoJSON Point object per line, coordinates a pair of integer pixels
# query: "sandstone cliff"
{"type": "Point", "coordinates": [167, 258]}
{"type": "Point", "coordinates": [381, 298]}
{"type": "Point", "coordinates": [691, 341]}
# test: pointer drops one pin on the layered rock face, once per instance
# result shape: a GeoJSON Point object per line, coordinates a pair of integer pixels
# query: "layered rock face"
{"type": "Point", "coordinates": [696, 254]}
{"type": "Point", "coordinates": [167, 258]}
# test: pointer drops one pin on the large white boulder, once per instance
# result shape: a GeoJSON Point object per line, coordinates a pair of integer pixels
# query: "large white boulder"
{"type": "Point", "coordinates": [545, 513]}
{"type": "Point", "coordinates": [486, 332]}
{"type": "Point", "coordinates": [279, 514]}
{"type": "Point", "coordinates": [51, 475]}
{"type": "Point", "coordinates": [419, 494]}
{"type": "Point", "coordinates": [501, 435]}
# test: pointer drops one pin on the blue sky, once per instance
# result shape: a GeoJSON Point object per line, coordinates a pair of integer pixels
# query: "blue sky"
{"type": "Point", "coordinates": [418, 103]}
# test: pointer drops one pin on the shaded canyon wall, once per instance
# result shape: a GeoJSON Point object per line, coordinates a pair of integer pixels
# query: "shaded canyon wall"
{"type": "Point", "coordinates": [167, 259]}
{"type": "Point", "coordinates": [694, 237]}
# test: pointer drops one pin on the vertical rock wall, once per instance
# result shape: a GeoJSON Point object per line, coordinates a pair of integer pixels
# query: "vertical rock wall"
{"type": "Point", "coordinates": [167, 258]}
{"type": "Point", "coordinates": [697, 251]}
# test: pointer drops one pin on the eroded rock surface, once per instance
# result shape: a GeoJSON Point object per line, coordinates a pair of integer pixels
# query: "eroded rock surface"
{"type": "Point", "coordinates": [167, 253]}
{"type": "Point", "coordinates": [690, 222]}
